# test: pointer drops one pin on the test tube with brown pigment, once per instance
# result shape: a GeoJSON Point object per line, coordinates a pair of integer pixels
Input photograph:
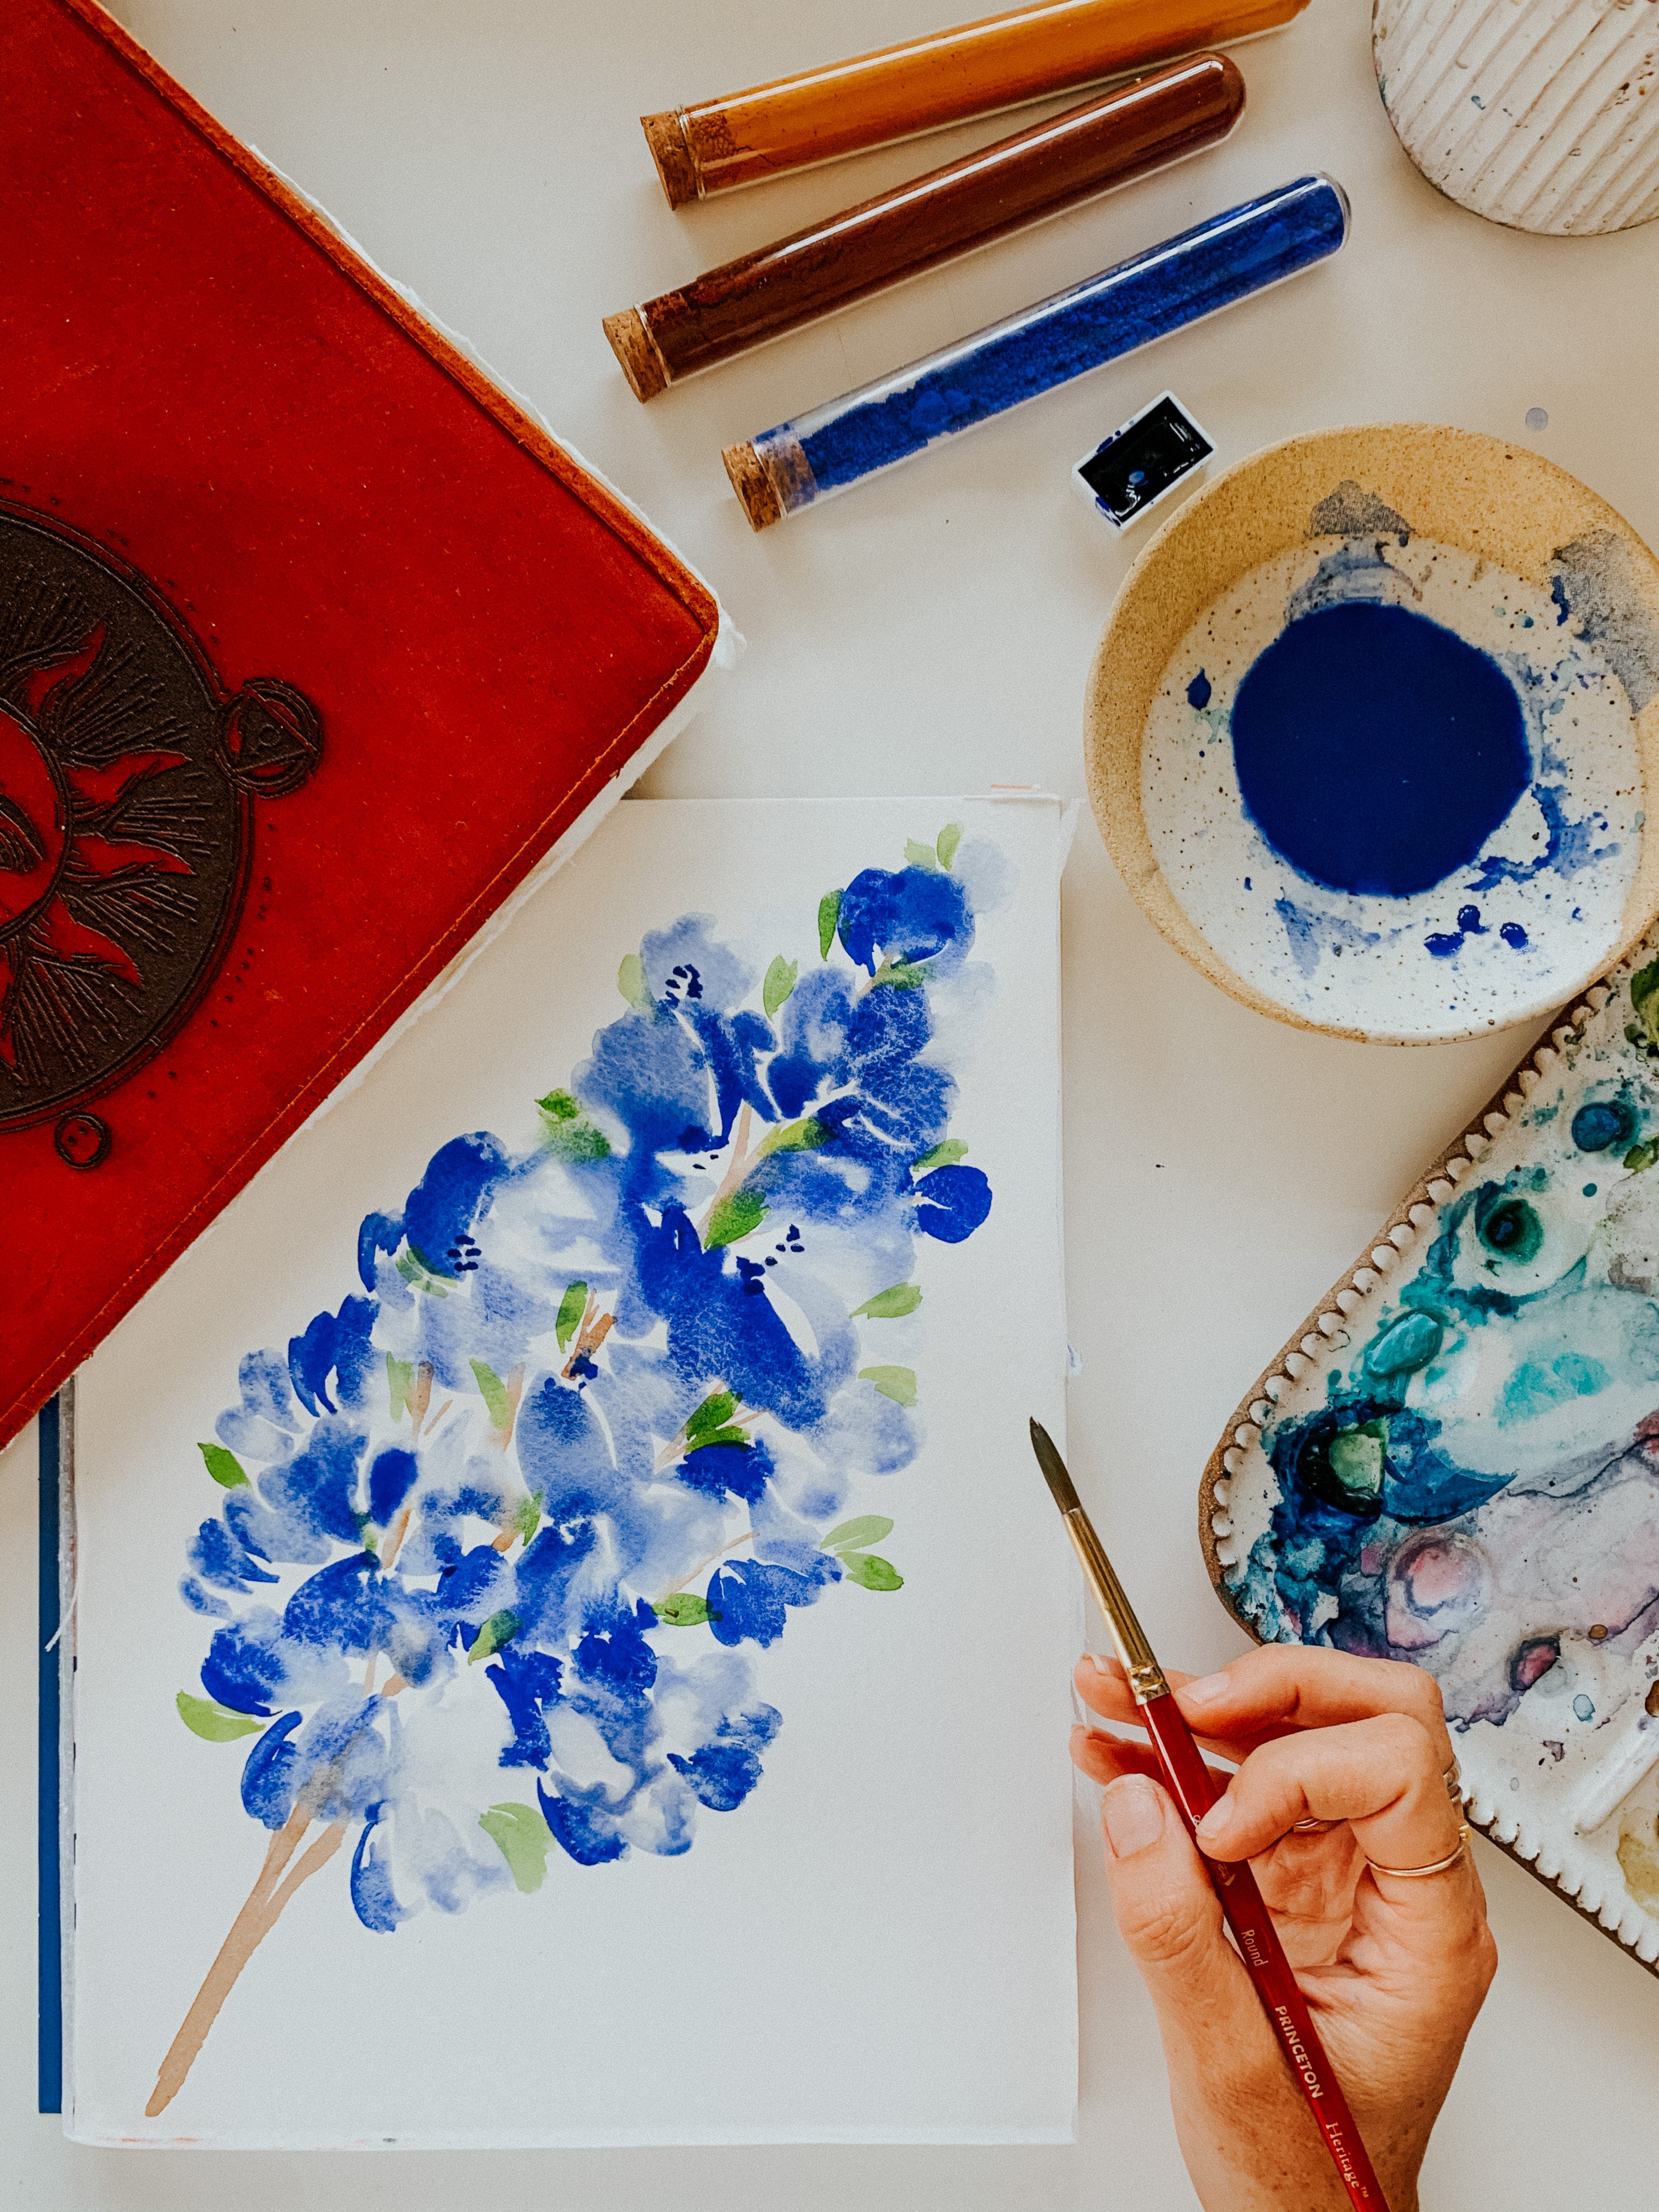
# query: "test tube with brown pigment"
{"type": "Point", "coordinates": [976, 69]}
{"type": "Point", "coordinates": [1019, 180]}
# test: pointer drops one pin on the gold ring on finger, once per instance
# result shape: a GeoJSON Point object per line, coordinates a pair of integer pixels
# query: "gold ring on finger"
{"type": "Point", "coordinates": [1438, 1866]}
{"type": "Point", "coordinates": [1310, 1827]}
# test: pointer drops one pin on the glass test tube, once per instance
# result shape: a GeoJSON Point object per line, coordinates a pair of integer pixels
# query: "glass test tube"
{"type": "Point", "coordinates": [971, 69]}
{"type": "Point", "coordinates": [1236, 253]}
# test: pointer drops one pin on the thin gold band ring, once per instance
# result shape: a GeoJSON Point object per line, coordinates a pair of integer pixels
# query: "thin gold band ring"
{"type": "Point", "coordinates": [1439, 1865]}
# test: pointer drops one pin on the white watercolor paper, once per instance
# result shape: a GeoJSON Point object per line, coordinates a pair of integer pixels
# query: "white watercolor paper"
{"type": "Point", "coordinates": [561, 1560]}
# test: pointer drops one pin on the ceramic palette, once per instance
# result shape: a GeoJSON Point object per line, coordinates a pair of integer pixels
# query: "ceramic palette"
{"type": "Point", "coordinates": [1457, 1461]}
{"type": "Point", "coordinates": [1370, 734]}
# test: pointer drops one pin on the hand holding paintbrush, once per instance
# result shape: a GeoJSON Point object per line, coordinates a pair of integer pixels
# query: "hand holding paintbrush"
{"type": "Point", "coordinates": [1338, 1858]}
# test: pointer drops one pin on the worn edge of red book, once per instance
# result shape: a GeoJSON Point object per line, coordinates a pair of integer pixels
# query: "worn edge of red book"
{"type": "Point", "coordinates": [481, 922]}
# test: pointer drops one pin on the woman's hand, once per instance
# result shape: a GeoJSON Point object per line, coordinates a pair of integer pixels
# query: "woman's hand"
{"type": "Point", "coordinates": [1394, 1971]}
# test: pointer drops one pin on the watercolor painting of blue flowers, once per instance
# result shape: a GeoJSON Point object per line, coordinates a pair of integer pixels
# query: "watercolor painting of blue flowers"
{"type": "Point", "coordinates": [597, 1420]}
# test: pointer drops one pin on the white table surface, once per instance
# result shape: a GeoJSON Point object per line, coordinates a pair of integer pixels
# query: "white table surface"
{"type": "Point", "coordinates": [931, 631]}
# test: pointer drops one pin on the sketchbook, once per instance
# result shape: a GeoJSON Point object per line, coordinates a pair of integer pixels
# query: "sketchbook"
{"type": "Point", "coordinates": [315, 647]}
{"type": "Point", "coordinates": [569, 1649]}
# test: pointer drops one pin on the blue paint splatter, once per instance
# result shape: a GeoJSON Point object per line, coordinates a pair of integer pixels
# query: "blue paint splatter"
{"type": "Point", "coordinates": [1198, 692]}
{"type": "Point", "coordinates": [1601, 1123]}
{"type": "Point", "coordinates": [1375, 750]}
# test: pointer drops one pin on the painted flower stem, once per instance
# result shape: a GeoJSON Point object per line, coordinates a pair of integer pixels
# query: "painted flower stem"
{"type": "Point", "coordinates": [701, 1569]}
{"type": "Point", "coordinates": [739, 1167]}
{"type": "Point", "coordinates": [258, 1917]}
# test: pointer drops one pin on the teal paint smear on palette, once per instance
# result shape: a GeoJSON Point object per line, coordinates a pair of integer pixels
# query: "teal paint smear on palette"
{"type": "Point", "coordinates": [1478, 1490]}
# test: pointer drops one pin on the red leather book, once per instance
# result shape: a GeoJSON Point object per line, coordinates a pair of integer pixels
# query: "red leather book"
{"type": "Point", "coordinates": [312, 648]}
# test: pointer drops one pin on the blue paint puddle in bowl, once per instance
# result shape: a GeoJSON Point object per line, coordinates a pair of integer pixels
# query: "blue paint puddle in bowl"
{"type": "Point", "coordinates": [1376, 750]}
{"type": "Point", "coordinates": [1396, 795]}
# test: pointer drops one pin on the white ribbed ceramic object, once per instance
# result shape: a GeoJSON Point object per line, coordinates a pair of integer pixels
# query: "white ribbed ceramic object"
{"type": "Point", "coordinates": [1543, 114]}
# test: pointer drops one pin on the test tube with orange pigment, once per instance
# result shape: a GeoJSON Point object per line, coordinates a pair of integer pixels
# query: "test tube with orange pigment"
{"type": "Point", "coordinates": [977, 69]}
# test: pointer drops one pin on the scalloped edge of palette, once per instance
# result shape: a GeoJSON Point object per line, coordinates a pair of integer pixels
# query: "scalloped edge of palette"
{"type": "Point", "coordinates": [1350, 1298]}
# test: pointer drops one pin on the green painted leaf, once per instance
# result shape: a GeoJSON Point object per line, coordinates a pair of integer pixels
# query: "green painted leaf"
{"type": "Point", "coordinates": [495, 1394]}
{"type": "Point", "coordinates": [524, 1840]}
{"type": "Point", "coordinates": [720, 1437]}
{"type": "Point", "coordinates": [805, 1135]}
{"type": "Point", "coordinates": [559, 1106]}
{"type": "Point", "coordinates": [572, 1306]}
{"type": "Point", "coordinates": [828, 917]}
{"type": "Point", "coordinates": [919, 856]}
{"type": "Point", "coordinates": [577, 1141]}
{"type": "Point", "coordinates": [898, 1383]}
{"type": "Point", "coordinates": [903, 974]}
{"type": "Point", "coordinates": [942, 1156]}
{"type": "Point", "coordinates": [736, 1217]}
{"type": "Point", "coordinates": [399, 1379]}
{"type": "Point", "coordinates": [868, 1528]}
{"type": "Point", "coordinates": [1644, 997]}
{"type": "Point", "coordinates": [949, 838]}
{"type": "Point", "coordinates": [890, 1305]}
{"type": "Point", "coordinates": [716, 1409]}
{"type": "Point", "coordinates": [223, 1466]}
{"type": "Point", "coordinates": [1640, 1158]}
{"type": "Point", "coordinates": [869, 1572]}
{"type": "Point", "coordinates": [780, 982]}
{"type": "Point", "coordinates": [500, 1628]}
{"type": "Point", "coordinates": [631, 981]}
{"type": "Point", "coordinates": [213, 1723]}
{"type": "Point", "coordinates": [684, 1609]}
{"type": "Point", "coordinates": [528, 1518]}
{"type": "Point", "coordinates": [418, 1274]}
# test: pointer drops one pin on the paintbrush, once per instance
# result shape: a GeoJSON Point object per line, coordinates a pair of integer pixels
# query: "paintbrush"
{"type": "Point", "coordinates": [1195, 1791]}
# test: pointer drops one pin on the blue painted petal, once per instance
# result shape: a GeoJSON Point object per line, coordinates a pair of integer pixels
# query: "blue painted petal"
{"type": "Point", "coordinates": [952, 1202]}
{"type": "Point", "coordinates": [245, 1668]}
{"type": "Point", "coordinates": [219, 1558]}
{"type": "Point", "coordinates": [373, 1897]}
{"type": "Point", "coordinates": [588, 1833]}
{"type": "Point", "coordinates": [728, 1470]}
{"type": "Point", "coordinates": [526, 1682]}
{"type": "Point", "coordinates": [380, 1232]}
{"type": "Point", "coordinates": [391, 1478]}
{"type": "Point", "coordinates": [445, 1204]}
{"type": "Point", "coordinates": [747, 1598]}
{"type": "Point", "coordinates": [268, 1776]}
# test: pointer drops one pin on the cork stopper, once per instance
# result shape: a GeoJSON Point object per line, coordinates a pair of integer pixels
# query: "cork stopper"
{"type": "Point", "coordinates": [636, 349]}
{"type": "Point", "coordinates": [665, 135]}
{"type": "Point", "coordinates": [752, 485]}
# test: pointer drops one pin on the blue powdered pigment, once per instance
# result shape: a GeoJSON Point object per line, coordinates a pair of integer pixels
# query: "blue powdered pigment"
{"type": "Point", "coordinates": [1209, 267]}
{"type": "Point", "coordinates": [1376, 751]}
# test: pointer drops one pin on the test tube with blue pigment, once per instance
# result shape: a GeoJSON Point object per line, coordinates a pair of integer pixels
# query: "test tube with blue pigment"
{"type": "Point", "coordinates": [1233, 255]}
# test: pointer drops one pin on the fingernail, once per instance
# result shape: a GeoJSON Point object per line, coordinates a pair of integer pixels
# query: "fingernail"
{"type": "Point", "coordinates": [1206, 1687]}
{"type": "Point", "coordinates": [1134, 1814]}
{"type": "Point", "coordinates": [1103, 1662]}
{"type": "Point", "coordinates": [1219, 1817]}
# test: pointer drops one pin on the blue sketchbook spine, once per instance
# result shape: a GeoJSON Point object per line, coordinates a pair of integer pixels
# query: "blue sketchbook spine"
{"type": "Point", "coordinates": [49, 2061]}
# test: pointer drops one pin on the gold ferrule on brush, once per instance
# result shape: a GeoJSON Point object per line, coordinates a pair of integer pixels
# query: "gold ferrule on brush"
{"type": "Point", "coordinates": [1146, 1679]}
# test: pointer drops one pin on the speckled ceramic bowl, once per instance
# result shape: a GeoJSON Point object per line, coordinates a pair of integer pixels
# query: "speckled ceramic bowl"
{"type": "Point", "coordinates": [1372, 729]}
{"type": "Point", "coordinates": [1543, 114]}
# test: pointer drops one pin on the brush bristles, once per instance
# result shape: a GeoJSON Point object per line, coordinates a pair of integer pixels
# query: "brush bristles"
{"type": "Point", "coordinates": [1053, 1469]}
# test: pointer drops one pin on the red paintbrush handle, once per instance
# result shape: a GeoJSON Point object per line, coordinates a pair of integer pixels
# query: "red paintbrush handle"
{"type": "Point", "coordinates": [1195, 1791]}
